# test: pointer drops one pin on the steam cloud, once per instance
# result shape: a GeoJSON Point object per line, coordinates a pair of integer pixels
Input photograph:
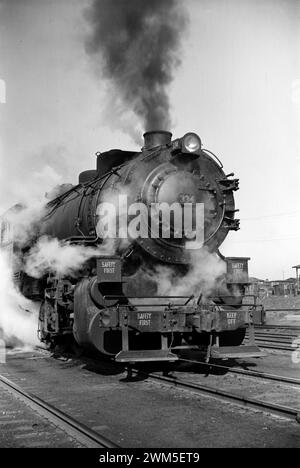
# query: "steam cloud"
{"type": "Point", "coordinates": [62, 258]}
{"type": "Point", "coordinates": [18, 315]}
{"type": "Point", "coordinates": [204, 272]}
{"type": "Point", "coordinates": [138, 43]}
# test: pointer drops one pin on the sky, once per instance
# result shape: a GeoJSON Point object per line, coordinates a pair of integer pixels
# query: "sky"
{"type": "Point", "coordinates": [238, 87]}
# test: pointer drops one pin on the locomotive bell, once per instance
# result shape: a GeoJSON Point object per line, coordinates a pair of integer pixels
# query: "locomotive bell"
{"type": "Point", "coordinates": [156, 138]}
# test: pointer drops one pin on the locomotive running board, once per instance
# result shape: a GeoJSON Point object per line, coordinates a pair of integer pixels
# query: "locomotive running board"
{"type": "Point", "coordinates": [225, 352]}
{"type": "Point", "coordinates": [146, 355]}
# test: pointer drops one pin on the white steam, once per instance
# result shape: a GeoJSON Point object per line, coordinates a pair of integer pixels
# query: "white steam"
{"type": "Point", "coordinates": [202, 278]}
{"type": "Point", "coordinates": [18, 315]}
{"type": "Point", "coordinates": [60, 257]}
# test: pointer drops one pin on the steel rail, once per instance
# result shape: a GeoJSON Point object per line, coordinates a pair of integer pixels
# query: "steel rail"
{"type": "Point", "coordinates": [282, 310]}
{"type": "Point", "coordinates": [282, 410]}
{"type": "Point", "coordinates": [261, 375]}
{"type": "Point", "coordinates": [277, 327]}
{"type": "Point", "coordinates": [74, 428]}
{"type": "Point", "coordinates": [278, 340]}
{"type": "Point", "coordinates": [283, 345]}
{"type": "Point", "coordinates": [282, 336]}
{"type": "Point", "coordinates": [241, 400]}
{"type": "Point", "coordinates": [272, 332]}
{"type": "Point", "coordinates": [273, 340]}
{"type": "Point", "coordinates": [272, 345]}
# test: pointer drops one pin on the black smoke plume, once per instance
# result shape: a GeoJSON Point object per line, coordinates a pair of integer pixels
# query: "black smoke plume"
{"type": "Point", "coordinates": [138, 42]}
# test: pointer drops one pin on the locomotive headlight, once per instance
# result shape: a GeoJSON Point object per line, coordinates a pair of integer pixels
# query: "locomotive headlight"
{"type": "Point", "coordinates": [189, 143]}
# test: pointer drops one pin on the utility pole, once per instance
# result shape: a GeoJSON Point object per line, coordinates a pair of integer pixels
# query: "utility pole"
{"type": "Point", "coordinates": [297, 267]}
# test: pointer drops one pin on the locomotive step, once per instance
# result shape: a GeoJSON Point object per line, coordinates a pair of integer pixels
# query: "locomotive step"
{"type": "Point", "coordinates": [146, 355]}
{"type": "Point", "coordinates": [236, 352]}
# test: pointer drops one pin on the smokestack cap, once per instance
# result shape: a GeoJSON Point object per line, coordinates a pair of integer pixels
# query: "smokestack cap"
{"type": "Point", "coordinates": [156, 138]}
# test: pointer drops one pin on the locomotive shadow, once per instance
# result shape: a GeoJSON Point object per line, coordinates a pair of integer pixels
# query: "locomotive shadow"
{"type": "Point", "coordinates": [195, 363]}
{"type": "Point", "coordinates": [187, 363]}
{"type": "Point", "coordinates": [90, 361]}
{"type": "Point", "coordinates": [101, 366]}
{"type": "Point", "coordinates": [105, 366]}
{"type": "Point", "coordinates": [141, 371]}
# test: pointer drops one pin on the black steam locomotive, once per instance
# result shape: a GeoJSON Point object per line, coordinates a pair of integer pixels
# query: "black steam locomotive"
{"type": "Point", "coordinates": [113, 304]}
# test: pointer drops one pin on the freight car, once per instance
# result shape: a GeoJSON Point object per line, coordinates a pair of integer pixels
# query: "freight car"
{"type": "Point", "coordinates": [113, 304]}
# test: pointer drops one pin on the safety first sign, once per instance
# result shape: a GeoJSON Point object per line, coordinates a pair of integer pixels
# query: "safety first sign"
{"type": "Point", "coordinates": [109, 270]}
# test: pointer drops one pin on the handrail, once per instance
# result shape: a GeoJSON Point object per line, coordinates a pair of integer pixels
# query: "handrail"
{"type": "Point", "coordinates": [208, 152]}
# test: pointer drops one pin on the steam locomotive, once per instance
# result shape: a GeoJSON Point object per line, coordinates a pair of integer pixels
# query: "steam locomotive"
{"type": "Point", "coordinates": [113, 304]}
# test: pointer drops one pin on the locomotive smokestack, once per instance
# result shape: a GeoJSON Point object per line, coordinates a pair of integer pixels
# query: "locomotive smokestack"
{"type": "Point", "coordinates": [156, 138]}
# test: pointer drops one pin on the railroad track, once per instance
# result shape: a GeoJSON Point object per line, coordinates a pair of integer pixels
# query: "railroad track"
{"type": "Point", "coordinates": [265, 343]}
{"type": "Point", "coordinates": [75, 429]}
{"type": "Point", "coordinates": [282, 336]}
{"type": "Point", "coordinates": [246, 372]}
{"type": "Point", "coordinates": [281, 341]}
{"type": "Point", "coordinates": [274, 346]}
{"type": "Point", "coordinates": [93, 439]}
{"type": "Point", "coordinates": [273, 408]}
{"type": "Point", "coordinates": [278, 327]}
